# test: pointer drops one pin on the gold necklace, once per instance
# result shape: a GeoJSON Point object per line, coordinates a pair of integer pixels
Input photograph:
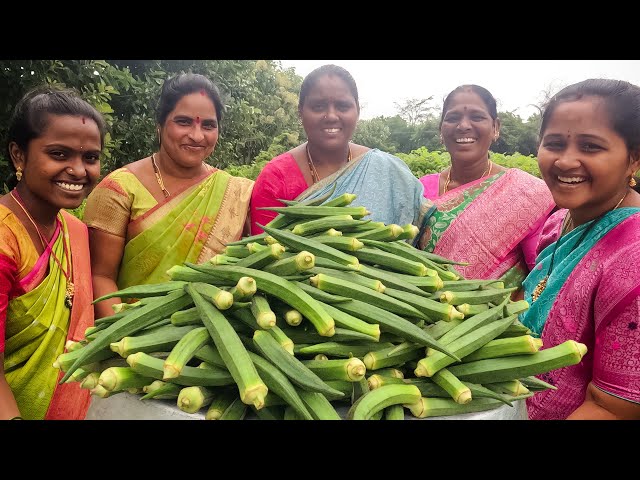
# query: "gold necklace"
{"type": "Point", "coordinates": [542, 284]}
{"type": "Point", "coordinates": [312, 168]}
{"type": "Point", "coordinates": [448, 180]}
{"type": "Point", "coordinates": [68, 295]}
{"type": "Point", "coordinates": [156, 170]}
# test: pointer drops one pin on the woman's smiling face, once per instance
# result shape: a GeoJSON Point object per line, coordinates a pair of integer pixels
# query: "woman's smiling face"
{"type": "Point", "coordinates": [329, 113]}
{"type": "Point", "coordinates": [62, 165]}
{"type": "Point", "coordinates": [585, 163]}
{"type": "Point", "coordinates": [467, 127]}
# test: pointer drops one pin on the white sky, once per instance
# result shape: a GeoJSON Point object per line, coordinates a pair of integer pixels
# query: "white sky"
{"type": "Point", "coordinates": [514, 83]}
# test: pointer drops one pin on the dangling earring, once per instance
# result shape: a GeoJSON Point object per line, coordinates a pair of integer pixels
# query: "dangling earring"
{"type": "Point", "coordinates": [632, 182]}
{"type": "Point", "coordinates": [19, 173]}
{"type": "Point", "coordinates": [159, 140]}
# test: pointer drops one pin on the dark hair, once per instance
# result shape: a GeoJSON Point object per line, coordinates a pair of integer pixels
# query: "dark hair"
{"type": "Point", "coordinates": [182, 85]}
{"type": "Point", "coordinates": [621, 100]}
{"type": "Point", "coordinates": [30, 115]}
{"type": "Point", "coordinates": [312, 78]}
{"type": "Point", "coordinates": [483, 93]}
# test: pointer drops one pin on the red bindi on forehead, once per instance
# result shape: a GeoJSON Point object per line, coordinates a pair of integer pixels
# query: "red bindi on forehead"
{"type": "Point", "coordinates": [83, 120]}
{"type": "Point", "coordinates": [198, 120]}
{"type": "Point", "coordinates": [202, 92]}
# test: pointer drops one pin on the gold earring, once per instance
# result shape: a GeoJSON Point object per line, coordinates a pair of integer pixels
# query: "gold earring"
{"type": "Point", "coordinates": [441, 140]}
{"type": "Point", "coordinates": [632, 182]}
{"type": "Point", "coordinates": [159, 140]}
{"type": "Point", "coordinates": [19, 173]}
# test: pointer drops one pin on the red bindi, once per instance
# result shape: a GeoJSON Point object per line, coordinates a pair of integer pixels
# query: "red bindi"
{"type": "Point", "coordinates": [198, 120]}
{"type": "Point", "coordinates": [202, 92]}
{"type": "Point", "coordinates": [83, 120]}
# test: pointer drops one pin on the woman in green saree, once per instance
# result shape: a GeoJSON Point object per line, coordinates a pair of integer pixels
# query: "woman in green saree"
{"type": "Point", "coordinates": [170, 207]}
{"type": "Point", "coordinates": [55, 141]}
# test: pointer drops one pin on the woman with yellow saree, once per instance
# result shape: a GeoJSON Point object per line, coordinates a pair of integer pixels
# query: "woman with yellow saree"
{"type": "Point", "coordinates": [55, 141]}
{"type": "Point", "coordinates": [170, 207]}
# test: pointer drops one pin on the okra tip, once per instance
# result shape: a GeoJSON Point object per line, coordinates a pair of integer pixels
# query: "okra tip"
{"type": "Point", "coordinates": [581, 347]}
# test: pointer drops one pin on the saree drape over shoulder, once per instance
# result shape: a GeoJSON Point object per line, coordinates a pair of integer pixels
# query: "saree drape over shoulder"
{"type": "Point", "coordinates": [190, 226]}
{"type": "Point", "coordinates": [35, 324]}
{"type": "Point", "coordinates": [592, 297]}
{"type": "Point", "coordinates": [492, 224]}
{"type": "Point", "coordinates": [382, 182]}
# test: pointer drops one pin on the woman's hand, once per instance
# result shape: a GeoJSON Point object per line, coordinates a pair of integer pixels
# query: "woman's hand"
{"type": "Point", "coordinates": [8, 406]}
{"type": "Point", "coordinates": [599, 405]}
{"type": "Point", "coordinates": [106, 255]}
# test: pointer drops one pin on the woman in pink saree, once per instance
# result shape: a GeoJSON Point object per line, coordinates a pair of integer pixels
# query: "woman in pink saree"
{"type": "Point", "coordinates": [487, 216]}
{"type": "Point", "coordinates": [55, 141]}
{"type": "Point", "coordinates": [586, 283]}
{"type": "Point", "coordinates": [171, 207]}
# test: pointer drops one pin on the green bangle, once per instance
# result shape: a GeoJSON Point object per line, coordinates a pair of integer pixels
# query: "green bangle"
{"type": "Point", "coordinates": [16, 418]}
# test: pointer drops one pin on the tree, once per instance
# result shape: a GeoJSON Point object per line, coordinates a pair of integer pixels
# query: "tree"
{"type": "Point", "coordinates": [516, 135]}
{"type": "Point", "coordinates": [374, 133]}
{"type": "Point", "coordinates": [414, 110]}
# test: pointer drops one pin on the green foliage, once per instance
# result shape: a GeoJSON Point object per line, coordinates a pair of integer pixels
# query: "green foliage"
{"type": "Point", "coordinates": [250, 171]}
{"type": "Point", "coordinates": [260, 99]}
{"type": "Point", "coordinates": [260, 119]}
{"type": "Point", "coordinates": [78, 212]}
{"type": "Point", "coordinates": [374, 133]}
{"type": "Point", "coordinates": [528, 163]}
{"type": "Point", "coordinates": [423, 162]}
{"type": "Point", "coordinates": [516, 135]}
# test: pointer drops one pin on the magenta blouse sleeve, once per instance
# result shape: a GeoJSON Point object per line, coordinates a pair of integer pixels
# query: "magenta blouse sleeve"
{"type": "Point", "coordinates": [615, 356]}
{"type": "Point", "coordinates": [268, 188]}
{"type": "Point", "coordinates": [530, 243]}
{"type": "Point", "coordinates": [8, 273]}
{"type": "Point", "coordinates": [279, 179]}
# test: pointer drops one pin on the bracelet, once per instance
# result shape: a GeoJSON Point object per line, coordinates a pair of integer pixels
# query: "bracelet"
{"type": "Point", "coordinates": [16, 418]}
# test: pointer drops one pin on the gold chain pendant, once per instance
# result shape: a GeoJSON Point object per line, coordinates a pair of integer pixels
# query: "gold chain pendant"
{"type": "Point", "coordinates": [542, 284]}
{"type": "Point", "coordinates": [68, 295]}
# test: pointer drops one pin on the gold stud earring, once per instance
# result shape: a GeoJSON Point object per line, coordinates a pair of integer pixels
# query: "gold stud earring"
{"type": "Point", "coordinates": [19, 173]}
{"type": "Point", "coordinates": [632, 182]}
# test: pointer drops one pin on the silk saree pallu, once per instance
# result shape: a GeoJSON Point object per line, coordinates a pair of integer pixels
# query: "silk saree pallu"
{"type": "Point", "coordinates": [383, 183]}
{"type": "Point", "coordinates": [484, 222]}
{"type": "Point", "coordinates": [39, 323]}
{"type": "Point", "coordinates": [592, 297]}
{"type": "Point", "coordinates": [190, 226]}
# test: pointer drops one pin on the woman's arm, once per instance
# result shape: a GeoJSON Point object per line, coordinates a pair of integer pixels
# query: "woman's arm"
{"type": "Point", "coordinates": [246, 231]}
{"type": "Point", "coordinates": [599, 405]}
{"type": "Point", "coordinates": [8, 405]}
{"type": "Point", "coordinates": [614, 390]}
{"type": "Point", "coordinates": [106, 255]}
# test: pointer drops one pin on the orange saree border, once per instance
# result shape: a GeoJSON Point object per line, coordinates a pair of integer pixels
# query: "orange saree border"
{"type": "Point", "coordinates": [69, 401]}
